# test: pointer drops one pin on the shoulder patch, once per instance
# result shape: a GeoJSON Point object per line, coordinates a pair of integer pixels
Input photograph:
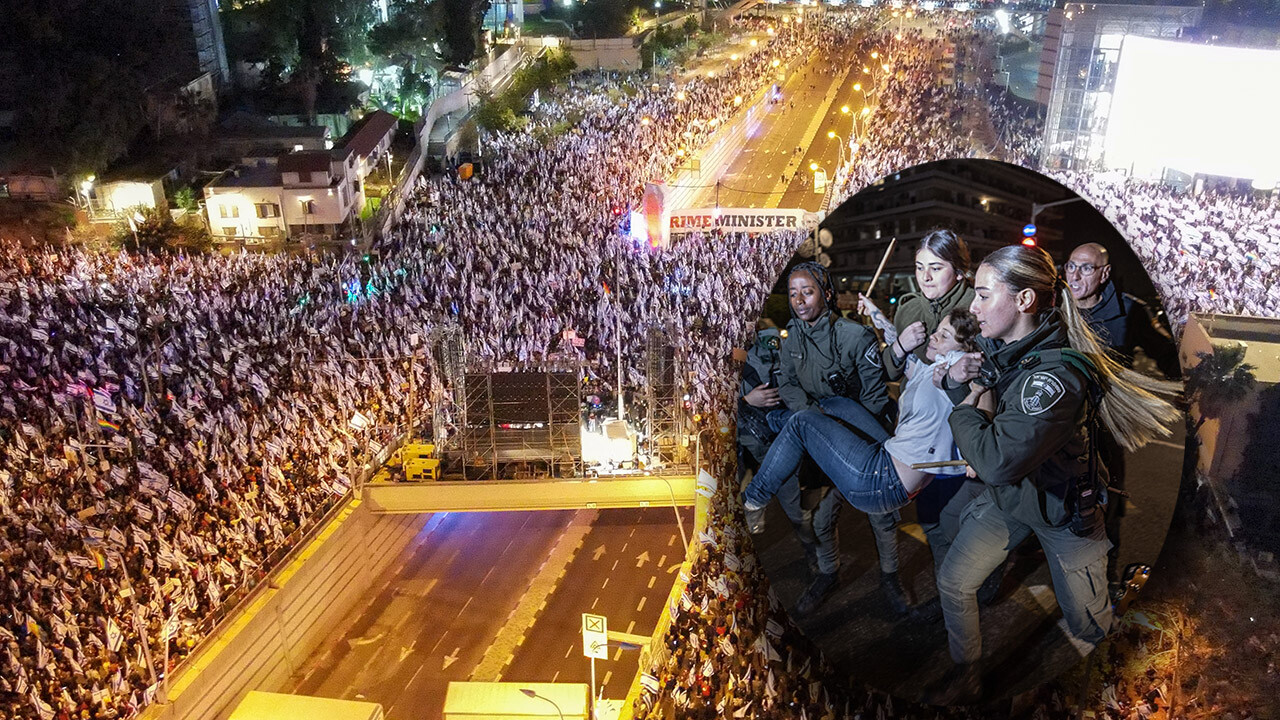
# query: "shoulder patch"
{"type": "Point", "coordinates": [872, 354]}
{"type": "Point", "coordinates": [1041, 391]}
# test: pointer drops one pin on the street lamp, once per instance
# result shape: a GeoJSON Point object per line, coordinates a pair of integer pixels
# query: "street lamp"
{"type": "Point", "coordinates": [679, 522]}
{"type": "Point", "coordinates": [833, 135]}
{"type": "Point", "coordinates": [530, 693]}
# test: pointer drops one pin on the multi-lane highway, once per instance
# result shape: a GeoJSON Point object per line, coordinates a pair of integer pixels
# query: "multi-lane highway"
{"type": "Point", "coordinates": [773, 167]}
{"type": "Point", "coordinates": [499, 596]}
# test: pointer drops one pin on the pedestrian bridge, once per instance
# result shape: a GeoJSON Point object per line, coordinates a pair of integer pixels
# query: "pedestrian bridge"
{"type": "Point", "coordinates": [625, 491]}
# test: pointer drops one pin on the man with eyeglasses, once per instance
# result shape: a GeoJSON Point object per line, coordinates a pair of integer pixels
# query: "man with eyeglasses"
{"type": "Point", "coordinates": [1124, 323]}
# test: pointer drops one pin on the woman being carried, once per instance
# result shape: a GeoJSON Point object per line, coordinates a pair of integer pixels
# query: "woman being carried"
{"type": "Point", "coordinates": [871, 469]}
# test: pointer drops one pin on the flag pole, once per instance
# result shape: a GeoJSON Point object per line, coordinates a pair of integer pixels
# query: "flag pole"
{"type": "Point", "coordinates": [887, 252]}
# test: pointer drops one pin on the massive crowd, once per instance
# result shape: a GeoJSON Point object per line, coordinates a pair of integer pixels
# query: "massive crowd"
{"type": "Point", "coordinates": [170, 426]}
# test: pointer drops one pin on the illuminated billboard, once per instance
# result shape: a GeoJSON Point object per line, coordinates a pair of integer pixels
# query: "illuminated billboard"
{"type": "Point", "coordinates": [1198, 109]}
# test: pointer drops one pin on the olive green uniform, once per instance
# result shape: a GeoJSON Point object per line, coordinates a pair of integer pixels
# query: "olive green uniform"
{"type": "Point", "coordinates": [915, 307]}
{"type": "Point", "coordinates": [1028, 454]}
{"type": "Point", "coordinates": [811, 354]}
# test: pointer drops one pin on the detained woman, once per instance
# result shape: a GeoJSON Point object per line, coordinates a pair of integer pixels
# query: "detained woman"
{"type": "Point", "coordinates": [1051, 383]}
{"type": "Point", "coordinates": [870, 468]}
{"type": "Point", "coordinates": [944, 278]}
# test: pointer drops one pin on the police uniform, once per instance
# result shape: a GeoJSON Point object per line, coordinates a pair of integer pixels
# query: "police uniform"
{"type": "Point", "coordinates": [1029, 454]}
{"type": "Point", "coordinates": [915, 307]}
{"type": "Point", "coordinates": [811, 356]}
{"type": "Point", "coordinates": [754, 439]}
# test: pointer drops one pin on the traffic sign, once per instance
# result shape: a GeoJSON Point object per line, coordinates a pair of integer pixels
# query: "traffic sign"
{"type": "Point", "coordinates": [595, 636]}
{"type": "Point", "coordinates": [1029, 230]}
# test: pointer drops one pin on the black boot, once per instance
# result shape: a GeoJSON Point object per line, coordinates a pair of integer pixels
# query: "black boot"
{"type": "Point", "coordinates": [927, 612]}
{"type": "Point", "coordinates": [893, 592]}
{"type": "Point", "coordinates": [821, 587]}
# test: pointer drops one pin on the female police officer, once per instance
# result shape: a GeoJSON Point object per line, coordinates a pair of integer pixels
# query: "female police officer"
{"type": "Point", "coordinates": [1052, 383]}
{"type": "Point", "coordinates": [827, 360]}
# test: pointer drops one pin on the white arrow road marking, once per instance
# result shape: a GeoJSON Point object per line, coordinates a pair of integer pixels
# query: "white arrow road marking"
{"type": "Point", "coordinates": [354, 642]}
{"type": "Point", "coordinates": [642, 558]}
{"type": "Point", "coordinates": [598, 552]}
{"type": "Point", "coordinates": [404, 651]}
{"type": "Point", "coordinates": [451, 659]}
{"type": "Point", "coordinates": [673, 568]}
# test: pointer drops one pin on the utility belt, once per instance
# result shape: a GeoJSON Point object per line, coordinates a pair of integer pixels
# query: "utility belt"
{"type": "Point", "coordinates": [1086, 494]}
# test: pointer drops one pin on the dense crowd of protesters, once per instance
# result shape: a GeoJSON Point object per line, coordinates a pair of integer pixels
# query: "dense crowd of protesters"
{"type": "Point", "coordinates": [170, 426]}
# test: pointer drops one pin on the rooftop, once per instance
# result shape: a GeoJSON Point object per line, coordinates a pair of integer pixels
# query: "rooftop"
{"type": "Point", "coordinates": [367, 133]}
{"type": "Point", "coordinates": [249, 177]}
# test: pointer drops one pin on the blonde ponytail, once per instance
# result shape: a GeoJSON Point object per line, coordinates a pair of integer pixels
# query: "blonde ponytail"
{"type": "Point", "coordinates": [1130, 407]}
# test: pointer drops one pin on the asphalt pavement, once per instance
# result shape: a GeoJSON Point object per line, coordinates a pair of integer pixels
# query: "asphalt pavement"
{"type": "Point", "coordinates": [430, 619]}
{"type": "Point", "coordinates": [624, 571]}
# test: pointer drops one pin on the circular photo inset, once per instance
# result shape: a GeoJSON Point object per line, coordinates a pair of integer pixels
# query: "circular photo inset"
{"type": "Point", "coordinates": [958, 449]}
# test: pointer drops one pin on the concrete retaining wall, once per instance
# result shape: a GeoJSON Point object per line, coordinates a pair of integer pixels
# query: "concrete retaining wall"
{"type": "Point", "coordinates": [289, 619]}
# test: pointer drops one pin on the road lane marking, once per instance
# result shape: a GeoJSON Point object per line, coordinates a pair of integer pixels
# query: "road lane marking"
{"type": "Point", "coordinates": [525, 613]}
{"type": "Point", "coordinates": [653, 579]}
{"type": "Point", "coordinates": [433, 647]}
{"type": "Point", "coordinates": [606, 584]}
{"type": "Point", "coordinates": [570, 651]}
{"type": "Point", "coordinates": [593, 602]}
{"type": "Point", "coordinates": [662, 561]}
{"type": "Point", "coordinates": [615, 566]}
{"type": "Point", "coordinates": [556, 676]}
{"type": "Point", "coordinates": [606, 678]}
{"type": "Point", "coordinates": [641, 605]}
{"type": "Point", "coordinates": [631, 626]}
{"type": "Point", "coordinates": [672, 541]}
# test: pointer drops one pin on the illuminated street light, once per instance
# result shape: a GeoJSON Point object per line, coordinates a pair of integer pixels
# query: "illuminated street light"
{"type": "Point", "coordinates": [866, 70]}
{"type": "Point", "coordinates": [813, 166]}
{"type": "Point", "coordinates": [733, 56]}
{"type": "Point", "coordinates": [754, 42]}
{"type": "Point", "coordinates": [776, 62]}
{"type": "Point", "coordinates": [711, 73]}
{"type": "Point", "coordinates": [875, 54]}
{"type": "Point", "coordinates": [644, 120]}
{"type": "Point", "coordinates": [737, 100]}
{"type": "Point", "coordinates": [845, 108]}
{"type": "Point", "coordinates": [680, 95]}
{"type": "Point", "coordinates": [831, 134]}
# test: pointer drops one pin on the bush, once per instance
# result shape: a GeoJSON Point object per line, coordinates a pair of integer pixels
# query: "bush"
{"type": "Point", "coordinates": [157, 232]}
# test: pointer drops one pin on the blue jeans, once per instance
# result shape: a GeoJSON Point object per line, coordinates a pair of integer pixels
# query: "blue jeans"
{"type": "Point", "coordinates": [884, 526]}
{"type": "Point", "coordinates": [857, 464]}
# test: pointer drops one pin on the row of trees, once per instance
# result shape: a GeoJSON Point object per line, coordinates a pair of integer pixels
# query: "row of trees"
{"type": "Point", "coordinates": [505, 110]}
{"type": "Point", "coordinates": [80, 71]}
{"type": "Point", "coordinates": [304, 46]}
